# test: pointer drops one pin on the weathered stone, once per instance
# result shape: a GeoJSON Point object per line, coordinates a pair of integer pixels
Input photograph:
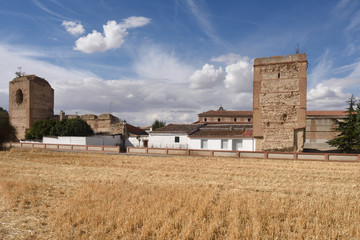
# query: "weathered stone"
{"type": "Point", "coordinates": [30, 98]}
{"type": "Point", "coordinates": [279, 102]}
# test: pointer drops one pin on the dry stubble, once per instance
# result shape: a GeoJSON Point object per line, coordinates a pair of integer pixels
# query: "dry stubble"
{"type": "Point", "coordinates": [81, 196]}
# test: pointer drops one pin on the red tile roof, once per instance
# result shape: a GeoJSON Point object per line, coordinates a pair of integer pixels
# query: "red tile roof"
{"type": "Point", "coordinates": [178, 128]}
{"type": "Point", "coordinates": [223, 131]}
{"type": "Point", "coordinates": [220, 113]}
{"type": "Point", "coordinates": [224, 113]}
{"type": "Point", "coordinates": [326, 113]}
{"type": "Point", "coordinates": [135, 130]}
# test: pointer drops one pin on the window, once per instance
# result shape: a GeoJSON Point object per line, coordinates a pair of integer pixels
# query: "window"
{"type": "Point", "coordinates": [278, 75]}
{"type": "Point", "coordinates": [236, 144]}
{"type": "Point", "coordinates": [219, 119]}
{"type": "Point", "coordinates": [224, 143]}
{"type": "Point", "coordinates": [177, 139]}
{"type": "Point", "coordinates": [249, 119]}
{"type": "Point", "coordinates": [234, 119]}
{"type": "Point", "coordinates": [204, 143]}
{"type": "Point", "coordinates": [19, 96]}
{"type": "Point", "coordinates": [205, 119]}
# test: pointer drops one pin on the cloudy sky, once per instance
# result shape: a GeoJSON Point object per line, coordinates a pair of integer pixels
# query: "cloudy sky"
{"type": "Point", "coordinates": [172, 59]}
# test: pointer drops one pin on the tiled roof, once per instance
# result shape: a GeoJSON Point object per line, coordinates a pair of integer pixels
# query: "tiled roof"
{"type": "Point", "coordinates": [178, 128]}
{"type": "Point", "coordinates": [220, 113]}
{"type": "Point", "coordinates": [326, 113]}
{"type": "Point", "coordinates": [135, 130]}
{"type": "Point", "coordinates": [223, 131]}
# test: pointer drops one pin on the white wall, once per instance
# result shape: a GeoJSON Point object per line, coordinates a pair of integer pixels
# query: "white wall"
{"type": "Point", "coordinates": [93, 140]}
{"type": "Point", "coordinates": [132, 141]}
{"type": "Point", "coordinates": [104, 140]}
{"type": "Point", "coordinates": [168, 141]}
{"type": "Point", "coordinates": [215, 144]}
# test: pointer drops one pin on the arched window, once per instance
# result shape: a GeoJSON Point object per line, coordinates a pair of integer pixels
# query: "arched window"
{"type": "Point", "coordinates": [19, 97]}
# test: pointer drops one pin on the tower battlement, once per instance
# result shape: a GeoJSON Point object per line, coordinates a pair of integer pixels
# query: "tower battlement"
{"type": "Point", "coordinates": [280, 59]}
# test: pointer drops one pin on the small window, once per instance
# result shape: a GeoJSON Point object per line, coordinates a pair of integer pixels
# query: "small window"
{"type": "Point", "coordinates": [236, 144]}
{"type": "Point", "coordinates": [278, 75]}
{"type": "Point", "coordinates": [177, 139]}
{"type": "Point", "coordinates": [249, 119]}
{"type": "Point", "coordinates": [234, 119]}
{"type": "Point", "coordinates": [205, 119]}
{"type": "Point", "coordinates": [19, 96]}
{"type": "Point", "coordinates": [219, 119]}
{"type": "Point", "coordinates": [204, 144]}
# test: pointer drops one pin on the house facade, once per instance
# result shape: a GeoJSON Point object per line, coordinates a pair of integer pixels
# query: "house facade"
{"type": "Point", "coordinates": [214, 136]}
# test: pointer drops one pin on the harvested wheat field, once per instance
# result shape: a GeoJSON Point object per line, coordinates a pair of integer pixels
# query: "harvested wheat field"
{"type": "Point", "coordinates": [54, 195]}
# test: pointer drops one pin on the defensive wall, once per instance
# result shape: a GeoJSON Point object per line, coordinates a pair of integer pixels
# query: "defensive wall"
{"type": "Point", "coordinates": [298, 156]}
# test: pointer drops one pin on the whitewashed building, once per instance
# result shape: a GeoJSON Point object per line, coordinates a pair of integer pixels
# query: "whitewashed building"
{"type": "Point", "coordinates": [136, 137]}
{"type": "Point", "coordinates": [231, 137]}
{"type": "Point", "coordinates": [172, 136]}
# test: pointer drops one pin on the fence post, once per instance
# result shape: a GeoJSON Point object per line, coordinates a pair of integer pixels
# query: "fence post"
{"type": "Point", "coordinates": [326, 157]}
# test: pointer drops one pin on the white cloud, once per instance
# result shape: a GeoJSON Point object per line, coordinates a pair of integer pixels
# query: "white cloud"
{"type": "Point", "coordinates": [239, 76]}
{"type": "Point", "coordinates": [229, 58]}
{"type": "Point", "coordinates": [329, 94]}
{"type": "Point", "coordinates": [201, 14]}
{"type": "Point", "coordinates": [207, 77]}
{"type": "Point", "coordinates": [139, 101]}
{"type": "Point", "coordinates": [113, 36]}
{"type": "Point", "coordinates": [321, 70]}
{"type": "Point", "coordinates": [74, 28]}
{"type": "Point", "coordinates": [154, 63]}
{"type": "Point", "coordinates": [326, 96]}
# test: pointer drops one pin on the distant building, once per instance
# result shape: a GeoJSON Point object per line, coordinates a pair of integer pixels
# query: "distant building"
{"type": "Point", "coordinates": [222, 116]}
{"type": "Point", "coordinates": [218, 130]}
{"type": "Point", "coordinates": [215, 136]}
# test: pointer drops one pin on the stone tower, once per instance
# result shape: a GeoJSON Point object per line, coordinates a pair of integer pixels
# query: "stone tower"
{"type": "Point", "coordinates": [30, 98]}
{"type": "Point", "coordinates": [279, 102]}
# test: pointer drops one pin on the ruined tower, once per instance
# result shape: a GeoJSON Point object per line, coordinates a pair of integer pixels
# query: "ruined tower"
{"type": "Point", "coordinates": [279, 102]}
{"type": "Point", "coordinates": [31, 98]}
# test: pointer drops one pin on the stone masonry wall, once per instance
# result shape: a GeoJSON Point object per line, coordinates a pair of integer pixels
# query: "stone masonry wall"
{"type": "Point", "coordinates": [30, 98]}
{"type": "Point", "coordinates": [279, 114]}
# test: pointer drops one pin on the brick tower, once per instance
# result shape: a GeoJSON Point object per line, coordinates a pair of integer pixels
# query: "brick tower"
{"type": "Point", "coordinates": [30, 98]}
{"type": "Point", "coordinates": [279, 102]}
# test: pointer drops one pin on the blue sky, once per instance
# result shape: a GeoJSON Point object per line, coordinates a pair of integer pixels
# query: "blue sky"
{"type": "Point", "coordinates": [172, 59]}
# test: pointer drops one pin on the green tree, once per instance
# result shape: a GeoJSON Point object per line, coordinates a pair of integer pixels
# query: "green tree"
{"type": "Point", "coordinates": [66, 127]}
{"type": "Point", "coordinates": [348, 140]}
{"type": "Point", "coordinates": [73, 127]}
{"type": "Point", "coordinates": [7, 131]}
{"type": "Point", "coordinates": [158, 124]}
{"type": "Point", "coordinates": [41, 128]}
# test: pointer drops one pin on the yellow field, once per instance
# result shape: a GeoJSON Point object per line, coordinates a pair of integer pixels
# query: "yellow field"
{"type": "Point", "coordinates": [51, 195]}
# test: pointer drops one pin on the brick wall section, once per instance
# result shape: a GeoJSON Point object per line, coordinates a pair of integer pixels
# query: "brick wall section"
{"type": "Point", "coordinates": [30, 98]}
{"type": "Point", "coordinates": [279, 102]}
